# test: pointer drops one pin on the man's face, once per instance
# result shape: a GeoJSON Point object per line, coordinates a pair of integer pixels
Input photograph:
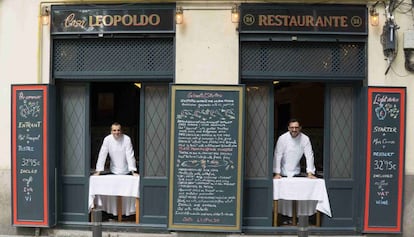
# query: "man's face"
{"type": "Point", "coordinates": [294, 129]}
{"type": "Point", "coordinates": [116, 131]}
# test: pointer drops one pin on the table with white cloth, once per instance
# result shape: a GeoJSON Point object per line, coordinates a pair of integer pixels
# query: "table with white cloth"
{"type": "Point", "coordinates": [300, 196]}
{"type": "Point", "coordinates": [115, 194]}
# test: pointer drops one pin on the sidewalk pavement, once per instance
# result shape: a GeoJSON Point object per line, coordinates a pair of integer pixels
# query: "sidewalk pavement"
{"type": "Point", "coordinates": [75, 233]}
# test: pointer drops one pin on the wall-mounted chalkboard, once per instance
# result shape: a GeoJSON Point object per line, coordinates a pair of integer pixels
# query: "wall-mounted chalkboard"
{"type": "Point", "coordinates": [31, 177]}
{"type": "Point", "coordinates": [385, 159]}
{"type": "Point", "coordinates": [206, 158]}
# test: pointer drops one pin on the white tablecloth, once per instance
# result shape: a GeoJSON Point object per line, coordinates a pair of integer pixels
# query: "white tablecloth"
{"type": "Point", "coordinates": [104, 189]}
{"type": "Point", "coordinates": [310, 193]}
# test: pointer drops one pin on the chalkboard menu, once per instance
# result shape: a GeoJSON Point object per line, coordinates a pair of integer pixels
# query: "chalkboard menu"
{"type": "Point", "coordinates": [206, 157]}
{"type": "Point", "coordinates": [30, 156]}
{"type": "Point", "coordinates": [385, 159]}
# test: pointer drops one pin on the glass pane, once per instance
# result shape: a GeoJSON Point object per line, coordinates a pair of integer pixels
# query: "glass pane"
{"type": "Point", "coordinates": [73, 129]}
{"type": "Point", "coordinates": [257, 131]}
{"type": "Point", "coordinates": [156, 111]}
{"type": "Point", "coordinates": [341, 136]}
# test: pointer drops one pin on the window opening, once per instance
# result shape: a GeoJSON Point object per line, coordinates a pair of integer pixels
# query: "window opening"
{"type": "Point", "coordinates": [109, 103]}
{"type": "Point", "coordinates": [303, 101]}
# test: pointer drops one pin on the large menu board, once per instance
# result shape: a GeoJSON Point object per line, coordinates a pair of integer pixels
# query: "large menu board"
{"type": "Point", "coordinates": [385, 159]}
{"type": "Point", "coordinates": [30, 174]}
{"type": "Point", "coordinates": [206, 151]}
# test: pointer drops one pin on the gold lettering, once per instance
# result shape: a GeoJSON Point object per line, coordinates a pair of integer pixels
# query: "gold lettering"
{"type": "Point", "coordinates": [108, 20]}
{"type": "Point", "coordinates": [70, 21]}
{"type": "Point", "coordinates": [117, 19]}
{"type": "Point", "coordinates": [155, 19]}
{"type": "Point", "coordinates": [99, 20]}
{"type": "Point", "coordinates": [329, 21]}
{"type": "Point", "coordinates": [293, 22]}
{"type": "Point", "coordinates": [284, 20]}
{"type": "Point", "coordinates": [343, 20]}
{"type": "Point", "coordinates": [95, 20]}
{"type": "Point", "coordinates": [91, 21]}
{"type": "Point", "coordinates": [301, 21]}
{"type": "Point", "coordinates": [127, 20]}
{"type": "Point", "coordinates": [262, 20]}
{"type": "Point", "coordinates": [278, 21]}
{"type": "Point", "coordinates": [271, 20]}
{"type": "Point", "coordinates": [319, 22]}
{"type": "Point", "coordinates": [141, 21]}
{"type": "Point", "coordinates": [309, 21]}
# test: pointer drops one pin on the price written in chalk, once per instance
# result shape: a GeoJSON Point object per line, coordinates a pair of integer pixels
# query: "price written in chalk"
{"type": "Point", "coordinates": [30, 162]}
{"type": "Point", "coordinates": [384, 165]}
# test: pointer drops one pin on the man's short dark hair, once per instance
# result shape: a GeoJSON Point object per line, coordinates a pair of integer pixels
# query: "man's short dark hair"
{"type": "Point", "coordinates": [294, 120]}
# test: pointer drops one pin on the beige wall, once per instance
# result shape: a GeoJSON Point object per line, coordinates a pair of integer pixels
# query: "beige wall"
{"type": "Point", "coordinates": [18, 64]}
{"type": "Point", "coordinates": [18, 59]}
{"type": "Point", "coordinates": [207, 45]}
{"type": "Point", "coordinates": [397, 75]}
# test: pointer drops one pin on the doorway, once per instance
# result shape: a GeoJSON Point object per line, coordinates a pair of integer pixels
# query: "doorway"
{"type": "Point", "coordinates": [269, 106]}
{"type": "Point", "coordinates": [109, 103]}
{"type": "Point", "coordinates": [329, 116]}
{"type": "Point", "coordinates": [303, 101]}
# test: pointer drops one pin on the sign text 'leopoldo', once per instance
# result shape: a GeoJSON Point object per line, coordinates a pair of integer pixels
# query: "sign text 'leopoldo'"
{"type": "Point", "coordinates": [112, 20]}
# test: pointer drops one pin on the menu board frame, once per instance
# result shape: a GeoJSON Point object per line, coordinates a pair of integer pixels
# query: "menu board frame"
{"type": "Point", "coordinates": [32, 169]}
{"type": "Point", "coordinates": [385, 159]}
{"type": "Point", "coordinates": [205, 105]}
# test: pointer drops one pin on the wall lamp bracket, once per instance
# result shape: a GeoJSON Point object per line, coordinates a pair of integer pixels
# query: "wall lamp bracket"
{"type": "Point", "coordinates": [179, 15]}
{"type": "Point", "coordinates": [374, 16]}
{"type": "Point", "coordinates": [235, 14]}
{"type": "Point", "coordinates": [45, 13]}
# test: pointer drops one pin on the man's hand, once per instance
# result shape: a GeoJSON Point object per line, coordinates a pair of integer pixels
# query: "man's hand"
{"type": "Point", "coordinates": [277, 176]}
{"type": "Point", "coordinates": [311, 176]}
{"type": "Point", "coordinates": [97, 173]}
{"type": "Point", "coordinates": [134, 173]}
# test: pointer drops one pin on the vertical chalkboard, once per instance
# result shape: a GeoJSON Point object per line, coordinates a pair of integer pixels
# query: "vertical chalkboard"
{"type": "Point", "coordinates": [30, 156]}
{"type": "Point", "coordinates": [385, 159]}
{"type": "Point", "coordinates": [206, 150]}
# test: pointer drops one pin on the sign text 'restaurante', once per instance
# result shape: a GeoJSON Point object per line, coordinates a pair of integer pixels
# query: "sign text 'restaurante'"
{"type": "Point", "coordinates": [268, 18]}
{"type": "Point", "coordinates": [285, 20]}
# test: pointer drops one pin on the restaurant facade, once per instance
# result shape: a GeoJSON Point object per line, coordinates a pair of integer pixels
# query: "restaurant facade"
{"type": "Point", "coordinates": [204, 89]}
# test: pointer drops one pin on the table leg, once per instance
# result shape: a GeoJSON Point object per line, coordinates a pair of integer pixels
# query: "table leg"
{"type": "Point", "coordinates": [119, 207]}
{"type": "Point", "coordinates": [137, 210]}
{"type": "Point", "coordinates": [275, 212]}
{"type": "Point", "coordinates": [318, 218]}
{"type": "Point", "coordinates": [294, 212]}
